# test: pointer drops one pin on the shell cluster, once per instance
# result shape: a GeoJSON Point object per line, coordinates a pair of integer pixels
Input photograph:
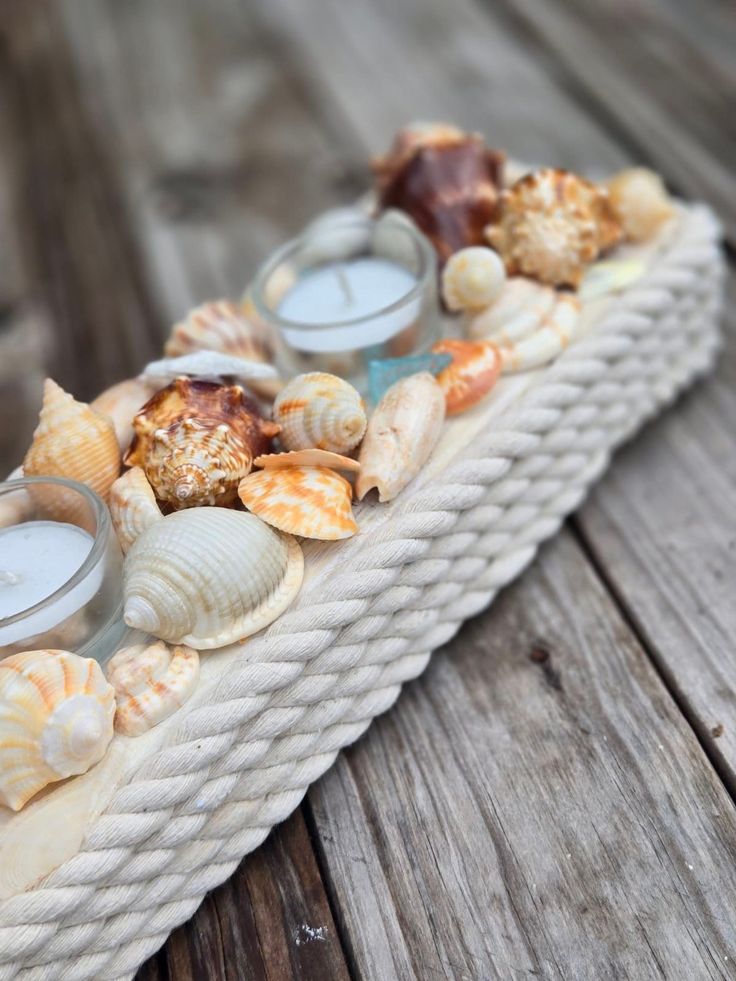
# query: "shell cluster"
{"type": "Point", "coordinates": [640, 202]}
{"type": "Point", "coordinates": [309, 501]}
{"type": "Point", "coordinates": [321, 411]}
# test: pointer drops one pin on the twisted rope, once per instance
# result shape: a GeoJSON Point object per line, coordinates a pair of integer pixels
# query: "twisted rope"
{"type": "Point", "coordinates": [313, 681]}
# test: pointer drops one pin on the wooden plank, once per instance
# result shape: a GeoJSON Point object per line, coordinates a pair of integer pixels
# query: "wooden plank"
{"type": "Point", "coordinates": [536, 806]}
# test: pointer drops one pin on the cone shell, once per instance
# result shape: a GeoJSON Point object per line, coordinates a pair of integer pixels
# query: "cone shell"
{"type": "Point", "coordinates": [56, 720]}
{"type": "Point", "coordinates": [401, 434]}
{"type": "Point", "coordinates": [321, 411]}
{"type": "Point", "coordinates": [121, 402]}
{"type": "Point", "coordinates": [72, 441]}
{"type": "Point", "coordinates": [552, 224]}
{"type": "Point", "coordinates": [312, 502]}
{"type": "Point", "coordinates": [640, 202]}
{"type": "Point", "coordinates": [195, 440]}
{"type": "Point", "coordinates": [207, 577]}
{"type": "Point", "coordinates": [472, 278]}
{"type": "Point", "coordinates": [133, 506]}
{"type": "Point", "coordinates": [306, 458]}
{"type": "Point", "coordinates": [474, 371]}
{"type": "Point", "coordinates": [151, 682]}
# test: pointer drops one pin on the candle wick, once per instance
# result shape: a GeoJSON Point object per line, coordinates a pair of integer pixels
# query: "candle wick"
{"type": "Point", "coordinates": [10, 578]}
{"type": "Point", "coordinates": [344, 283]}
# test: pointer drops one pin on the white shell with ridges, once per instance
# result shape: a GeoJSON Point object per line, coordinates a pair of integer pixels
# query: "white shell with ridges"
{"type": "Point", "coordinates": [133, 506]}
{"type": "Point", "coordinates": [320, 410]}
{"type": "Point", "coordinates": [209, 364]}
{"type": "Point", "coordinates": [121, 402]}
{"type": "Point", "coordinates": [472, 278]}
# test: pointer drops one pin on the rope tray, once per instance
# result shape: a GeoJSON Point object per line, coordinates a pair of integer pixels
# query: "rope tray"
{"type": "Point", "coordinates": [187, 801]}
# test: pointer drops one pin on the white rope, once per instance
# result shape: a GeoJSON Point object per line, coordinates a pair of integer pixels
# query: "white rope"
{"type": "Point", "coordinates": [315, 679]}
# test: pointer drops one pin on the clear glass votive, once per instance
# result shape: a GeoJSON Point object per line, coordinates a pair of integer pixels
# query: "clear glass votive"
{"type": "Point", "coordinates": [349, 290]}
{"type": "Point", "coordinates": [61, 566]}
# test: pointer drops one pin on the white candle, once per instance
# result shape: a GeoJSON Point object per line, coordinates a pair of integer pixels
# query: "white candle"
{"type": "Point", "coordinates": [332, 295]}
{"type": "Point", "coordinates": [36, 559]}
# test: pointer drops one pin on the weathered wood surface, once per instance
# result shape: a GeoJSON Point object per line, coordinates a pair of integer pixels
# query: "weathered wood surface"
{"type": "Point", "coordinates": [152, 155]}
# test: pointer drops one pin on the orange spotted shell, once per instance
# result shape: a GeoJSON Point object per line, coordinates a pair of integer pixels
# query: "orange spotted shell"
{"type": "Point", "coordinates": [312, 502]}
{"type": "Point", "coordinates": [474, 371]}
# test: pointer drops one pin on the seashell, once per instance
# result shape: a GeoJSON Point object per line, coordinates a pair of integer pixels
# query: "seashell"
{"type": "Point", "coordinates": [553, 336]}
{"type": "Point", "coordinates": [151, 682]}
{"type": "Point", "coordinates": [640, 202]}
{"type": "Point", "coordinates": [209, 364]}
{"type": "Point", "coordinates": [121, 402]}
{"type": "Point", "coordinates": [56, 721]}
{"type": "Point", "coordinates": [472, 278]}
{"type": "Point", "coordinates": [72, 441]}
{"type": "Point", "coordinates": [522, 306]}
{"type": "Point", "coordinates": [195, 440]}
{"type": "Point", "coordinates": [319, 410]}
{"type": "Point", "coordinates": [610, 276]}
{"type": "Point", "coordinates": [306, 458]}
{"type": "Point", "coordinates": [401, 434]}
{"type": "Point", "coordinates": [551, 225]}
{"type": "Point", "coordinates": [445, 180]}
{"type": "Point", "coordinates": [133, 506]}
{"type": "Point", "coordinates": [207, 577]}
{"type": "Point", "coordinates": [312, 502]}
{"type": "Point", "coordinates": [474, 371]}
{"type": "Point", "coordinates": [384, 373]}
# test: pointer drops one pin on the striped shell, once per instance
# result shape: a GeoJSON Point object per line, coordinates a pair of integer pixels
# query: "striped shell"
{"type": "Point", "coordinates": [56, 720]}
{"type": "Point", "coordinates": [312, 502]}
{"type": "Point", "coordinates": [401, 434]}
{"type": "Point", "coordinates": [474, 371]}
{"type": "Point", "coordinates": [306, 458]}
{"type": "Point", "coordinates": [207, 577]}
{"type": "Point", "coordinates": [472, 278]}
{"type": "Point", "coordinates": [640, 201]}
{"type": "Point", "coordinates": [151, 682]}
{"type": "Point", "coordinates": [133, 506]}
{"type": "Point", "coordinates": [318, 410]}
{"type": "Point", "coordinates": [121, 402]}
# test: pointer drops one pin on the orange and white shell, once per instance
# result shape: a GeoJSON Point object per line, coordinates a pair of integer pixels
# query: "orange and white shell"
{"type": "Point", "coordinates": [56, 721]}
{"type": "Point", "coordinates": [209, 576]}
{"type": "Point", "coordinates": [312, 502]}
{"type": "Point", "coordinates": [474, 371]}
{"type": "Point", "coordinates": [472, 278]}
{"type": "Point", "coordinates": [321, 411]}
{"type": "Point", "coordinates": [401, 434]}
{"type": "Point", "coordinates": [133, 506]}
{"type": "Point", "coordinates": [640, 202]}
{"type": "Point", "coordinates": [72, 441]}
{"type": "Point", "coordinates": [552, 224]}
{"type": "Point", "coordinates": [151, 682]}
{"type": "Point", "coordinates": [306, 458]}
{"type": "Point", "coordinates": [121, 402]}
{"type": "Point", "coordinates": [196, 439]}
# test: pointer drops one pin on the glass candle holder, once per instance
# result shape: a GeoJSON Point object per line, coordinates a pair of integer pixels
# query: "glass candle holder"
{"type": "Point", "coordinates": [349, 290]}
{"type": "Point", "coordinates": [60, 570]}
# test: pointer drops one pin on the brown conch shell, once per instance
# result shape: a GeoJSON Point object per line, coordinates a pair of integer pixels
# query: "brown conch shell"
{"type": "Point", "coordinates": [446, 180]}
{"type": "Point", "coordinates": [133, 506]}
{"type": "Point", "coordinates": [474, 371]}
{"type": "Point", "coordinates": [640, 202]}
{"type": "Point", "coordinates": [121, 402]}
{"type": "Point", "coordinates": [195, 440]}
{"type": "Point", "coordinates": [551, 225]}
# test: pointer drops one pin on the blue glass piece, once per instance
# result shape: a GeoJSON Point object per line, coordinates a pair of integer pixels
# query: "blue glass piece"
{"type": "Point", "coordinates": [383, 374]}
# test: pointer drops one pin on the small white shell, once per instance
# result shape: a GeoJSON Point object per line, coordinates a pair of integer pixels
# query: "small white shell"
{"type": "Point", "coordinates": [321, 411]}
{"type": "Point", "coordinates": [472, 278]}
{"type": "Point", "coordinates": [521, 308]}
{"type": "Point", "coordinates": [209, 364]}
{"type": "Point", "coordinates": [640, 202]}
{"type": "Point", "coordinates": [133, 506]}
{"type": "Point", "coordinates": [151, 682]}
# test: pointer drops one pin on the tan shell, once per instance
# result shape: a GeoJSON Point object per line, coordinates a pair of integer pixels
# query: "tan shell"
{"type": "Point", "coordinates": [474, 371]}
{"type": "Point", "coordinates": [401, 434]}
{"type": "Point", "coordinates": [121, 402]}
{"type": "Point", "coordinates": [72, 441]}
{"type": "Point", "coordinates": [56, 720]}
{"type": "Point", "coordinates": [196, 439]}
{"type": "Point", "coordinates": [472, 278]}
{"type": "Point", "coordinates": [207, 577]}
{"type": "Point", "coordinates": [640, 202]}
{"type": "Point", "coordinates": [552, 225]}
{"type": "Point", "coordinates": [312, 502]}
{"type": "Point", "coordinates": [306, 458]}
{"type": "Point", "coordinates": [133, 506]}
{"type": "Point", "coordinates": [521, 308]}
{"type": "Point", "coordinates": [321, 411]}
{"type": "Point", "coordinates": [151, 682]}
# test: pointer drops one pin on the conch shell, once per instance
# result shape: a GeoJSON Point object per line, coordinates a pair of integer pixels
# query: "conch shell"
{"type": "Point", "coordinates": [312, 502]}
{"type": "Point", "coordinates": [72, 441]}
{"type": "Point", "coordinates": [121, 402]}
{"type": "Point", "coordinates": [56, 720]}
{"type": "Point", "coordinates": [207, 577]}
{"type": "Point", "coordinates": [446, 180]}
{"type": "Point", "coordinates": [401, 434]}
{"type": "Point", "coordinates": [640, 202]}
{"type": "Point", "coordinates": [306, 458]}
{"type": "Point", "coordinates": [474, 371]}
{"type": "Point", "coordinates": [321, 411]}
{"type": "Point", "coordinates": [552, 224]}
{"type": "Point", "coordinates": [472, 278]}
{"type": "Point", "coordinates": [133, 506]}
{"type": "Point", "coordinates": [195, 440]}
{"type": "Point", "coordinates": [151, 682]}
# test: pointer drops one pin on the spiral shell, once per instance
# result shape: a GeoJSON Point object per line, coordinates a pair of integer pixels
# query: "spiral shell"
{"type": "Point", "coordinates": [640, 202]}
{"type": "Point", "coordinates": [207, 577]}
{"type": "Point", "coordinates": [306, 458]}
{"type": "Point", "coordinates": [72, 441]}
{"type": "Point", "coordinates": [401, 434]}
{"type": "Point", "coordinates": [195, 440]}
{"type": "Point", "coordinates": [312, 502]}
{"type": "Point", "coordinates": [56, 720]}
{"type": "Point", "coordinates": [321, 411]}
{"type": "Point", "coordinates": [121, 402]}
{"type": "Point", "coordinates": [133, 506]}
{"type": "Point", "coordinates": [552, 224]}
{"type": "Point", "coordinates": [151, 682]}
{"type": "Point", "coordinates": [474, 371]}
{"type": "Point", "coordinates": [472, 278]}
{"type": "Point", "coordinates": [521, 307]}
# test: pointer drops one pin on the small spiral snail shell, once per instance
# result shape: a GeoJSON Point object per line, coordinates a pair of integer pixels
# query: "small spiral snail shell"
{"type": "Point", "coordinates": [321, 411]}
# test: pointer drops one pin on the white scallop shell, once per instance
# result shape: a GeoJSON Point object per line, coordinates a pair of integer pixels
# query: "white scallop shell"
{"type": "Point", "coordinates": [56, 720]}
{"type": "Point", "coordinates": [472, 278]}
{"type": "Point", "coordinates": [209, 364]}
{"type": "Point", "coordinates": [133, 506]}
{"type": "Point", "coordinates": [321, 411]}
{"type": "Point", "coordinates": [209, 576]}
